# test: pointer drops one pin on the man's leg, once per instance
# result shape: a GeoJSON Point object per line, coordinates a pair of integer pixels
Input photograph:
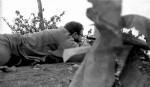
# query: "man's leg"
{"type": "Point", "coordinates": [4, 55]}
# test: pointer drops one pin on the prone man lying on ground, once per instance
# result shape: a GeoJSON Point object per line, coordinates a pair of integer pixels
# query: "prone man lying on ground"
{"type": "Point", "coordinates": [46, 46]}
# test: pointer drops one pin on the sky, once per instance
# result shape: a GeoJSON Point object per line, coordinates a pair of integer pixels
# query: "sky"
{"type": "Point", "coordinates": [75, 10]}
{"type": "Point", "coordinates": [140, 7]}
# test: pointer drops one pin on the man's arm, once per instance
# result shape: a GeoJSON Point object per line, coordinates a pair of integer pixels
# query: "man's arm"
{"type": "Point", "coordinates": [67, 41]}
{"type": "Point", "coordinates": [64, 40]}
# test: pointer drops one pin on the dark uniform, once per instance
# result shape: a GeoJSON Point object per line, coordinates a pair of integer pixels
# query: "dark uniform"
{"type": "Point", "coordinates": [16, 49]}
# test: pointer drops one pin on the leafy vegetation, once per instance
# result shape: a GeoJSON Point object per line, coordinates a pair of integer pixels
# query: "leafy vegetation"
{"type": "Point", "coordinates": [23, 25]}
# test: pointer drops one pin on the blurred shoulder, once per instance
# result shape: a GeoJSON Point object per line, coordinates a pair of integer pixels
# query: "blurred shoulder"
{"type": "Point", "coordinates": [61, 31]}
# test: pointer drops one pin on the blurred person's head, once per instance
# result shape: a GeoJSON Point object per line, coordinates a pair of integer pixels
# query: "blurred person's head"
{"type": "Point", "coordinates": [75, 29]}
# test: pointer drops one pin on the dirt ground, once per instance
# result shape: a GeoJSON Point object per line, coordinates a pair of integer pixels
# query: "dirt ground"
{"type": "Point", "coordinates": [44, 75]}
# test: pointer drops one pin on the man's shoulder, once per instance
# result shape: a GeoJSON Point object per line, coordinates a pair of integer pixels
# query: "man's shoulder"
{"type": "Point", "coordinates": [60, 31]}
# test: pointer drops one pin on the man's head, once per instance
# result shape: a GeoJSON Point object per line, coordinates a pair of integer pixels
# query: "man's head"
{"type": "Point", "coordinates": [75, 29]}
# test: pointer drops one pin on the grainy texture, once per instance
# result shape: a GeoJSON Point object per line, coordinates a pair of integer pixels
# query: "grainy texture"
{"type": "Point", "coordinates": [46, 75]}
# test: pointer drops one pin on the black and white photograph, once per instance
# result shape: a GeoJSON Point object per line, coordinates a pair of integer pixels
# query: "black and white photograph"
{"type": "Point", "coordinates": [74, 43]}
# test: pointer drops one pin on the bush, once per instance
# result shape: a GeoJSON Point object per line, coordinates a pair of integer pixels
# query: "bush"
{"type": "Point", "coordinates": [23, 26]}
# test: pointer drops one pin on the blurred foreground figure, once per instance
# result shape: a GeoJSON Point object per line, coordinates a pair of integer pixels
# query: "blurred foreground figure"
{"type": "Point", "coordinates": [44, 46]}
{"type": "Point", "coordinates": [98, 67]}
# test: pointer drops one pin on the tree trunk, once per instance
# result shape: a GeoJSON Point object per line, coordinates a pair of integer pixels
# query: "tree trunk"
{"type": "Point", "coordinates": [40, 14]}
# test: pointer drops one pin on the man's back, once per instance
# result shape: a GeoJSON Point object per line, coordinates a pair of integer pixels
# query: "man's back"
{"type": "Point", "coordinates": [46, 40]}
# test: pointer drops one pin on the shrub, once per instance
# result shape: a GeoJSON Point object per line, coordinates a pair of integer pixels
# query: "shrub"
{"type": "Point", "coordinates": [23, 26]}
